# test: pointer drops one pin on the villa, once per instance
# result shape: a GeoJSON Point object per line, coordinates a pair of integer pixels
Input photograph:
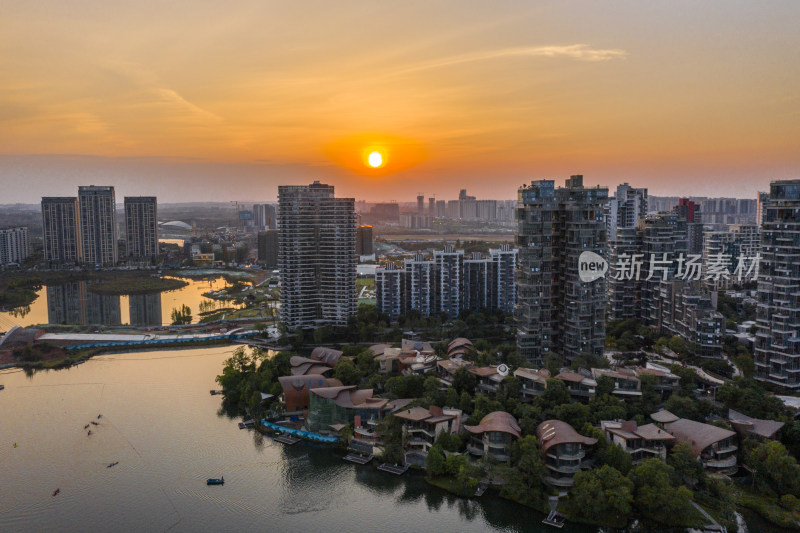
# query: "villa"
{"type": "Point", "coordinates": [534, 382]}
{"type": "Point", "coordinates": [580, 386]}
{"type": "Point", "coordinates": [421, 427]}
{"type": "Point", "coordinates": [714, 447]}
{"type": "Point", "coordinates": [489, 379]}
{"type": "Point", "coordinates": [492, 438]}
{"type": "Point", "coordinates": [296, 390]}
{"type": "Point", "coordinates": [640, 442]}
{"type": "Point", "coordinates": [756, 428]}
{"type": "Point", "coordinates": [564, 451]}
{"type": "Point", "coordinates": [625, 381]}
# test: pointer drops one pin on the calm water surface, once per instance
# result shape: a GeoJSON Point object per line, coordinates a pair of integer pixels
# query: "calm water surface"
{"type": "Point", "coordinates": [169, 435]}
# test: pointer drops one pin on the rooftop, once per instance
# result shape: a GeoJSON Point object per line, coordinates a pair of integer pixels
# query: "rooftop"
{"type": "Point", "coordinates": [553, 432]}
{"type": "Point", "coordinates": [497, 421]}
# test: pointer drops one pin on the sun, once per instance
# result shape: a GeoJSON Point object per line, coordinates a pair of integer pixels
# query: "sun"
{"type": "Point", "coordinates": [375, 159]}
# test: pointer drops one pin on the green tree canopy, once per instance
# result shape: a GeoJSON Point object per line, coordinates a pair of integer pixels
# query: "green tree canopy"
{"type": "Point", "coordinates": [603, 495]}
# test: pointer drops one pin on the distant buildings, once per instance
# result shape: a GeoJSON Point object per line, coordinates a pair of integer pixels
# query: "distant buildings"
{"type": "Point", "coordinates": [316, 256]}
{"type": "Point", "coordinates": [98, 225]}
{"type": "Point", "coordinates": [268, 245]}
{"type": "Point", "coordinates": [60, 229]}
{"type": "Point", "coordinates": [556, 312]}
{"type": "Point", "coordinates": [364, 244]}
{"type": "Point", "coordinates": [447, 284]}
{"type": "Point", "coordinates": [264, 217]}
{"type": "Point", "coordinates": [777, 346]}
{"type": "Point", "coordinates": [14, 245]}
{"type": "Point", "coordinates": [141, 227]}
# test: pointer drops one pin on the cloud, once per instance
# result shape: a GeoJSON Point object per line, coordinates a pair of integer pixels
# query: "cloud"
{"type": "Point", "coordinates": [580, 52]}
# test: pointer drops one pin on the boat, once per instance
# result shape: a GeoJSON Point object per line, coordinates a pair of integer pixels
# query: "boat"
{"type": "Point", "coordinates": [86, 426]}
{"type": "Point", "coordinates": [15, 445]}
{"type": "Point", "coordinates": [99, 417]}
{"type": "Point", "coordinates": [94, 423]}
{"type": "Point", "coordinates": [215, 481]}
{"type": "Point", "coordinates": [90, 432]}
{"type": "Point", "coordinates": [2, 387]}
{"type": "Point", "coordinates": [115, 463]}
{"type": "Point", "coordinates": [55, 492]}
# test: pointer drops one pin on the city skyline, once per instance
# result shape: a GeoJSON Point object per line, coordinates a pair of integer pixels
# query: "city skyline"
{"type": "Point", "coordinates": [686, 102]}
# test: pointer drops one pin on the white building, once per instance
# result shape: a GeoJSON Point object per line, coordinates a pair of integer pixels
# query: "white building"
{"type": "Point", "coordinates": [14, 246]}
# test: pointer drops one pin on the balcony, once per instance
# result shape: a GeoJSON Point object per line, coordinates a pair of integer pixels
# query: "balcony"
{"type": "Point", "coordinates": [559, 482]}
{"type": "Point", "coordinates": [565, 469]}
{"type": "Point", "coordinates": [580, 454]}
{"type": "Point", "coordinates": [726, 449]}
{"type": "Point", "coordinates": [474, 449]}
{"type": "Point", "coordinates": [721, 463]}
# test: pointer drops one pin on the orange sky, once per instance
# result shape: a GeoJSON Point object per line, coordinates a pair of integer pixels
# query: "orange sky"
{"type": "Point", "coordinates": [172, 99]}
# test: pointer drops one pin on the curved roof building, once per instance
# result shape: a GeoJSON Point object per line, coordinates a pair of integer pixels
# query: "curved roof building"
{"type": "Point", "coordinates": [296, 389]}
{"type": "Point", "coordinates": [498, 421]}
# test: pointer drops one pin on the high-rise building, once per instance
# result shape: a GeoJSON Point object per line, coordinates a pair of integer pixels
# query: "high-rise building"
{"type": "Point", "coordinates": [663, 239]}
{"type": "Point", "coordinates": [761, 199]}
{"type": "Point", "coordinates": [449, 289]}
{"type": "Point", "coordinates": [626, 209]}
{"type": "Point", "coordinates": [268, 245]}
{"type": "Point", "coordinates": [477, 279]}
{"type": "Point", "coordinates": [692, 218]}
{"type": "Point", "coordinates": [504, 261]}
{"type": "Point", "coordinates": [420, 204]}
{"type": "Point", "coordinates": [14, 246]}
{"type": "Point", "coordinates": [441, 209]}
{"type": "Point", "coordinates": [60, 230]}
{"type": "Point", "coordinates": [556, 312]}
{"type": "Point", "coordinates": [316, 256]}
{"type": "Point", "coordinates": [264, 217]}
{"type": "Point", "coordinates": [420, 285]}
{"type": "Point", "coordinates": [98, 225]}
{"type": "Point", "coordinates": [431, 207]}
{"type": "Point", "coordinates": [623, 287]}
{"type": "Point", "coordinates": [740, 242]}
{"type": "Point", "coordinates": [141, 227]}
{"type": "Point", "coordinates": [777, 345]}
{"type": "Point", "coordinates": [389, 283]}
{"type": "Point", "coordinates": [364, 240]}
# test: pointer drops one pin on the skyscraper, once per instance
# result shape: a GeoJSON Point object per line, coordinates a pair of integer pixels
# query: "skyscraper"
{"type": "Point", "coordinates": [689, 212]}
{"type": "Point", "coordinates": [316, 256]}
{"type": "Point", "coordinates": [626, 209]}
{"type": "Point", "coordinates": [60, 230]}
{"type": "Point", "coordinates": [98, 225]}
{"type": "Point", "coordinates": [556, 312]}
{"type": "Point", "coordinates": [268, 248]}
{"type": "Point", "coordinates": [364, 240]}
{"type": "Point", "coordinates": [777, 346]}
{"type": "Point", "coordinates": [449, 289]}
{"type": "Point", "coordinates": [14, 246]}
{"type": "Point", "coordinates": [141, 227]}
{"type": "Point", "coordinates": [264, 216]}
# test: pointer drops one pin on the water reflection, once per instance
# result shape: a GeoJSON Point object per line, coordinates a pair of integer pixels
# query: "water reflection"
{"type": "Point", "coordinates": [73, 303]}
{"type": "Point", "coordinates": [145, 309]}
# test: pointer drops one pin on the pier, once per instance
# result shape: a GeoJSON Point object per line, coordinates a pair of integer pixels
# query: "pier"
{"type": "Point", "coordinates": [394, 469]}
{"type": "Point", "coordinates": [358, 458]}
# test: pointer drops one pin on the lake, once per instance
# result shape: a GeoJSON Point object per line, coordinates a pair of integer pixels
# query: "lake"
{"type": "Point", "coordinates": [72, 303]}
{"type": "Point", "coordinates": [169, 434]}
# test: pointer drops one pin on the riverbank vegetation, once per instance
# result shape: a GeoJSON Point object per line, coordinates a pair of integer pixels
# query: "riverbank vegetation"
{"type": "Point", "coordinates": [657, 493]}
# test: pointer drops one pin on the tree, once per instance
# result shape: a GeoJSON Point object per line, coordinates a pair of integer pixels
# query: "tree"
{"type": "Point", "coordinates": [555, 394]}
{"type": "Point", "coordinates": [574, 414]}
{"type": "Point", "coordinates": [617, 458]}
{"type": "Point", "coordinates": [182, 315]}
{"type": "Point", "coordinates": [654, 497]}
{"type": "Point", "coordinates": [451, 399]}
{"type": "Point", "coordinates": [435, 463]}
{"type": "Point", "coordinates": [525, 482]}
{"type": "Point", "coordinates": [464, 381]}
{"type": "Point", "coordinates": [775, 467]}
{"type": "Point", "coordinates": [465, 402]}
{"type": "Point", "coordinates": [605, 385]}
{"type": "Point", "coordinates": [346, 372]}
{"type": "Point", "coordinates": [688, 470]}
{"type": "Point", "coordinates": [603, 495]}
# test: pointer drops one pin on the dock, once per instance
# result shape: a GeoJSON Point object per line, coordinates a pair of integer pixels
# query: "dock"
{"type": "Point", "coordinates": [246, 423]}
{"type": "Point", "coordinates": [394, 469]}
{"type": "Point", "coordinates": [555, 518]}
{"type": "Point", "coordinates": [286, 439]}
{"type": "Point", "coordinates": [482, 486]}
{"type": "Point", "coordinates": [358, 458]}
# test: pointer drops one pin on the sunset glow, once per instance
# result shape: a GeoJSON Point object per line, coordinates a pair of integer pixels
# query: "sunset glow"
{"type": "Point", "coordinates": [501, 93]}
